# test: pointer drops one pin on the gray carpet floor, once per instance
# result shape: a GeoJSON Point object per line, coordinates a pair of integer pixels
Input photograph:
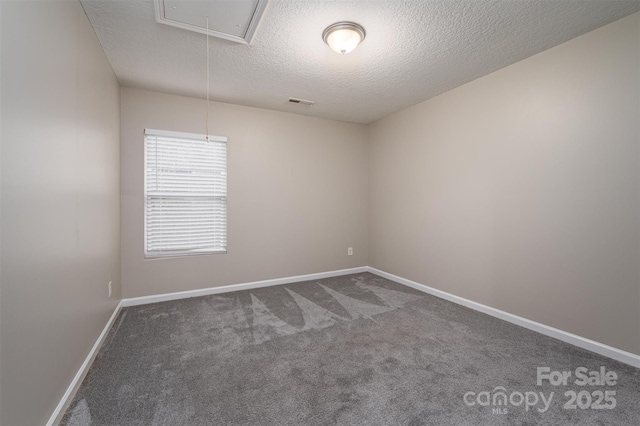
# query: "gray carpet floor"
{"type": "Point", "coordinates": [351, 350]}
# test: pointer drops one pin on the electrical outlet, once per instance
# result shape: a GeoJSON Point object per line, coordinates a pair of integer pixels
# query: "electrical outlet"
{"type": "Point", "coordinates": [350, 251]}
{"type": "Point", "coordinates": [109, 288]}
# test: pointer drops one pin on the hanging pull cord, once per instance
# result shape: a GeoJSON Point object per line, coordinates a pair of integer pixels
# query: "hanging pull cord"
{"type": "Point", "coordinates": [207, 124]}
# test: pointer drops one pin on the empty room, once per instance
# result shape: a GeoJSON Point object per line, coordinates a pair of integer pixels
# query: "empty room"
{"type": "Point", "coordinates": [319, 212]}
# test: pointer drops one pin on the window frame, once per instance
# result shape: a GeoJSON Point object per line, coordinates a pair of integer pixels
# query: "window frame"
{"type": "Point", "coordinates": [181, 135]}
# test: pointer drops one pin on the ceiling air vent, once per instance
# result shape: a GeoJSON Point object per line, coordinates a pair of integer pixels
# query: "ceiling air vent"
{"type": "Point", "coordinates": [301, 101]}
{"type": "Point", "coordinates": [231, 20]}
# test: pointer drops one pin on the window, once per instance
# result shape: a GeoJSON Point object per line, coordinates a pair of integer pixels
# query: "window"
{"type": "Point", "coordinates": [185, 185]}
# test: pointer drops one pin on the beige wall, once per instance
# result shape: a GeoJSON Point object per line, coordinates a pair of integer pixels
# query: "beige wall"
{"type": "Point", "coordinates": [297, 194]}
{"type": "Point", "coordinates": [60, 202]}
{"type": "Point", "coordinates": [520, 190]}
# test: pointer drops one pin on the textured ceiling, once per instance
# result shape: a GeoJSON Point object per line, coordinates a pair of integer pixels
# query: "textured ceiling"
{"type": "Point", "coordinates": [414, 50]}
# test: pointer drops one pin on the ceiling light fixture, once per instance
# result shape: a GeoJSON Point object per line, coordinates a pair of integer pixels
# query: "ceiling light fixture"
{"type": "Point", "coordinates": [343, 37]}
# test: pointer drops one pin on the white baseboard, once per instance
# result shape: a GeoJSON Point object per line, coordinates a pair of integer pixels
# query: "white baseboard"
{"type": "Point", "coordinates": [236, 287]}
{"type": "Point", "coordinates": [84, 368]}
{"type": "Point", "coordinates": [579, 341]}
{"type": "Point", "coordinates": [82, 372]}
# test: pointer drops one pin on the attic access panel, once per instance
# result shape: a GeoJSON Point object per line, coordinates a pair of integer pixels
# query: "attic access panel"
{"type": "Point", "coordinates": [235, 20]}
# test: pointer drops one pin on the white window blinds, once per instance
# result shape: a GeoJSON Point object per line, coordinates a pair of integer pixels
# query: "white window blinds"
{"type": "Point", "coordinates": [185, 194]}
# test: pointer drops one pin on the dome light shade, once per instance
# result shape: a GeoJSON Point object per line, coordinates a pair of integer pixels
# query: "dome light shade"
{"type": "Point", "coordinates": [343, 37]}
